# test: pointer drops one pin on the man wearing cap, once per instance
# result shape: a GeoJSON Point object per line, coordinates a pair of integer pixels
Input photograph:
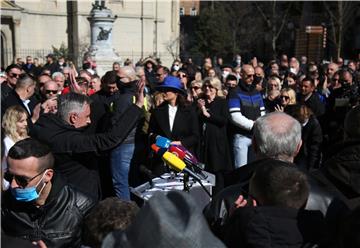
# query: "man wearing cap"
{"type": "Point", "coordinates": [174, 119]}
{"type": "Point", "coordinates": [51, 64]}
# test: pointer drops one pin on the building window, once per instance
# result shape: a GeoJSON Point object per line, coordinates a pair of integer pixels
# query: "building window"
{"type": "Point", "coordinates": [193, 11]}
{"type": "Point", "coordinates": [182, 11]}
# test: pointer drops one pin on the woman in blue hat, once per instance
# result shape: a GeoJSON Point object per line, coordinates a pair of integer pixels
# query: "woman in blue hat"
{"type": "Point", "coordinates": [174, 119]}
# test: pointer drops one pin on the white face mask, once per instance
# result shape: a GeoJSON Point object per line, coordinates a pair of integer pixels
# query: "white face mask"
{"type": "Point", "coordinates": [238, 61]}
{"type": "Point", "coordinates": [292, 70]}
{"type": "Point", "coordinates": [225, 74]}
{"type": "Point", "coordinates": [176, 67]}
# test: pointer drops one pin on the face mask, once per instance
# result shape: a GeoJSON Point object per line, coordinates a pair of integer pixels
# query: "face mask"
{"type": "Point", "coordinates": [238, 61]}
{"type": "Point", "coordinates": [225, 74]}
{"type": "Point", "coordinates": [27, 194]}
{"type": "Point", "coordinates": [257, 79]}
{"type": "Point", "coordinates": [176, 67]}
{"type": "Point", "coordinates": [292, 70]}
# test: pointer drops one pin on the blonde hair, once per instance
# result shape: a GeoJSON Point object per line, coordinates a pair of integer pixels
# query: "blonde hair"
{"type": "Point", "coordinates": [198, 83]}
{"type": "Point", "coordinates": [292, 95]}
{"type": "Point", "coordinates": [12, 115]}
{"type": "Point", "coordinates": [216, 83]}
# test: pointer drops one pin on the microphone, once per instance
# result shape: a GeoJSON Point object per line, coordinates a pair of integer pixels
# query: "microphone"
{"type": "Point", "coordinates": [188, 158]}
{"type": "Point", "coordinates": [162, 142]}
{"type": "Point", "coordinates": [174, 162]}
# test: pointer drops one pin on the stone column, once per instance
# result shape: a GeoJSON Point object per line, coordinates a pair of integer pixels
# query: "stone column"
{"type": "Point", "coordinates": [17, 37]}
{"type": "Point", "coordinates": [101, 49]}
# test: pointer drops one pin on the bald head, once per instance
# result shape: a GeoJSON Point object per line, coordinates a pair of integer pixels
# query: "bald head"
{"type": "Point", "coordinates": [50, 89]}
{"type": "Point", "coordinates": [277, 135]}
{"type": "Point", "coordinates": [247, 74]}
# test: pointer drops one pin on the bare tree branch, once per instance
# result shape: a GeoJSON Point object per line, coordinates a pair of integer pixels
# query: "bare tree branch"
{"type": "Point", "coordinates": [263, 15]}
{"type": "Point", "coordinates": [283, 22]}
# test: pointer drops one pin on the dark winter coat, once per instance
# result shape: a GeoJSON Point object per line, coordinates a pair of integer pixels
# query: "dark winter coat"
{"type": "Point", "coordinates": [310, 151]}
{"type": "Point", "coordinates": [268, 226]}
{"type": "Point", "coordinates": [215, 147]}
{"type": "Point", "coordinates": [75, 151]}
{"type": "Point", "coordinates": [185, 129]}
{"type": "Point", "coordinates": [343, 171]}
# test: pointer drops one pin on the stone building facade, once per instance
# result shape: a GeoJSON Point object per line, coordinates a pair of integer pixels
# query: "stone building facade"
{"type": "Point", "coordinates": [142, 28]}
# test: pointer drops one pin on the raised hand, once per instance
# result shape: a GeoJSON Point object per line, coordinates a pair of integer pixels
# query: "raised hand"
{"type": "Point", "coordinates": [140, 98]}
{"type": "Point", "coordinates": [75, 87]}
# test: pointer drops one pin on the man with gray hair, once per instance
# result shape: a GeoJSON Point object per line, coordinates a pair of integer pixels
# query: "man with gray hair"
{"type": "Point", "coordinates": [59, 78]}
{"type": "Point", "coordinates": [276, 139]}
{"type": "Point", "coordinates": [75, 150]}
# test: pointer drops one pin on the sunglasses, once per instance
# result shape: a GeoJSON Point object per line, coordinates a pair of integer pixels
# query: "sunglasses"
{"type": "Point", "coordinates": [285, 97]}
{"type": "Point", "coordinates": [195, 87]}
{"type": "Point", "coordinates": [14, 75]}
{"type": "Point", "coordinates": [182, 76]}
{"type": "Point", "coordinates": [51, 91]}
{"type": "Point", "coordinates": [20, 180]}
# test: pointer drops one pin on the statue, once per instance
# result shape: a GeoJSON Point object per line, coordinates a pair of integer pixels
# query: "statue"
{"type": "Point", "coordinates": [97, 6]}
{"type": "Point", "coordinates": [104, 34]}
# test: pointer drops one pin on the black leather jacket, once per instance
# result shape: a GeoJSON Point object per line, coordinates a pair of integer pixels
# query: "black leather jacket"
{"type": "Point", "coordinates": [58, 223]}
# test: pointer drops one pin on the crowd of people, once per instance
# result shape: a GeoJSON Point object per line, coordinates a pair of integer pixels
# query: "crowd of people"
{"type": "Point", "coordinates": [282, 139]}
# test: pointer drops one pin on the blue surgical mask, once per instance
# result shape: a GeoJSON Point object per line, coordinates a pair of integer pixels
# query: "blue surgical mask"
{"type": "Point", "coordinates": [27, 194]}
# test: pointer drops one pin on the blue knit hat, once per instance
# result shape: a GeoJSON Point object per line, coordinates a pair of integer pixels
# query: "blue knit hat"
{"type": "Point", "coordinates": [171, 84]}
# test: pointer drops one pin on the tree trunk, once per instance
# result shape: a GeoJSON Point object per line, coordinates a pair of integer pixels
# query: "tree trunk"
{"type": "Point", "coordinates": [340, 33]}
{"type": "Point", "coordinates": [273, 29]}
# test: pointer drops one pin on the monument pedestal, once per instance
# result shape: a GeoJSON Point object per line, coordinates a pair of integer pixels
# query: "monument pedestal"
{"type": "Point", "coordinates": [101, 49]}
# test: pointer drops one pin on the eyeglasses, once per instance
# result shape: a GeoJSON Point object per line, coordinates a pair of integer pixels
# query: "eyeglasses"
{"type": "Point", "coordinates": [14, 75]}
{"type": "Point", "coordinates": [195, 87]}
{"type": "Point", "coordinates": [285, 97]}
{"type": "Point", "coordinates": [51, 91]}
{"type": "Point", "coordinates": [182, 76]}
{"type": "Point", "coordinates": [20, 180]}
{"type": "Point", "coordinates": [249, 76]}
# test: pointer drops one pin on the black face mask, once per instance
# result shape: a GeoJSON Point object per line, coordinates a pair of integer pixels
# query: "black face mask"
{"type": "Point", "coordinates": [257, 79]}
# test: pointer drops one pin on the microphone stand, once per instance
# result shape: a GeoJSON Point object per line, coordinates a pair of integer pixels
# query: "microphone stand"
{"type": "Point", "coordinates": [186, 182]}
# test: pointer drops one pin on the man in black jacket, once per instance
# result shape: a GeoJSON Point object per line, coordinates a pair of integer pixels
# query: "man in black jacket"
{"type": "Point", "coordinates": [341, 171]}
{"type": "Point", "coordinates": [22, 95]}
{"type": "Point", "coordinates": [277, 136]}
{"type": "Point", "coordinates": [75, 150]}
{"type": "Point", "coordinates": [40, 205]}
{"type": "Point", "coordinates": [13, 72]}
{"type": "Point", "coordinates": [310, 98]}
{"type": "Point", "coordinates": [123, 156]}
